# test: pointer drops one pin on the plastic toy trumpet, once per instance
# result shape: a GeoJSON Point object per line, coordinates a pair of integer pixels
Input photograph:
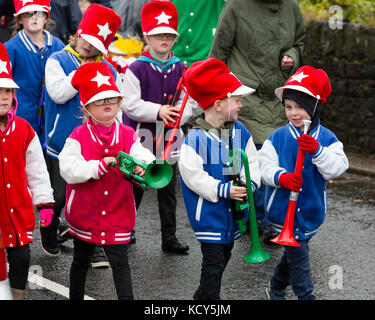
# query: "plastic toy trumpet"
{"type": "Point", "coordinates": [256, 253]}
{"type": "Point", "coordinates": [286, 236]}
{"type": "Point", "coordinates": [157, 175]}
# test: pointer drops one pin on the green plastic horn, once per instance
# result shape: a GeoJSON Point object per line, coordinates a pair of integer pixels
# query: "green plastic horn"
{"type": "Point", "coordinates": [157, 175]}
{"type": "Point", "coordinates": [256, 253]}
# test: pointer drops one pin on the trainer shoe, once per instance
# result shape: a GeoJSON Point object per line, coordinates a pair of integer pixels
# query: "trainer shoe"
{"type": "Point", "coordinates": [275, 294]}
{"type": "Point", "coordinates": [49, 242]}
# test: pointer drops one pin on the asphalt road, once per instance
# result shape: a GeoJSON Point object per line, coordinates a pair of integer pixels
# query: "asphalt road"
{"type": "Point", "coordinates": [341, 256]}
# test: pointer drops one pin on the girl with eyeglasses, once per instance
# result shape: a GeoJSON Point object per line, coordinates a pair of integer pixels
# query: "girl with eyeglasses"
{"type": "Point", "coordinates": [100, 206]}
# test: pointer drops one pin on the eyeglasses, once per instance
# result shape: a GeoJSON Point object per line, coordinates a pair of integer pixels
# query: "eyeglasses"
{"type": "Point", "coordinates": [29, 14]}
{"type": "Point", "coordinates": [112, 100]}
{"type": "Point", "coordinates": [168, 36]}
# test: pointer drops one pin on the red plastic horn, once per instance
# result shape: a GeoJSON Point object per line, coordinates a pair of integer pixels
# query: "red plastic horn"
{"type": "Point", "coordinates": [286, 236]}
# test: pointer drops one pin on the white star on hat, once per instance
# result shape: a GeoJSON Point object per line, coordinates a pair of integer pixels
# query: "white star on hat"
{"type": "Point", "coordinates": [299, 77]}
{"type": "Point", "coordinates": [3, 66]}
{"type": "Point", "coordinates": [163, 18]}
{"type": "Point", "coordinates": [101, 79]}
{"type": "Point", "coordinates": [26, 1]}
{"type": "Point", "coordinates": [104, 30]}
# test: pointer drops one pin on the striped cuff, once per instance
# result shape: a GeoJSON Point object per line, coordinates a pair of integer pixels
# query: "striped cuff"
{"type": "Point", "coordinates": [103, 168]}
{"type": "Point", "coordinates": [277, 176]}
{"type": "Point", "coordinates": [318, 151]}
{"type": "Point", "coordinates": [223, 190]}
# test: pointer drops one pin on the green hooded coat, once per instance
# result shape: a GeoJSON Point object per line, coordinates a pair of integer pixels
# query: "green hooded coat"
{"type": "Point", "coordinates": [251, 37]}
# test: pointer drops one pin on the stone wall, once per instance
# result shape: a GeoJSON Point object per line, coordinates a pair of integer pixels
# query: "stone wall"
{"type": "Point", "coordinates": [348, 56]}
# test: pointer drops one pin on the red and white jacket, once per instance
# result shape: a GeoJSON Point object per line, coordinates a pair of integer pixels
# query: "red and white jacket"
{"type": "Point", "coordinates": [100, 205]}
{"type": "Point", "coordinates": [24, 182]}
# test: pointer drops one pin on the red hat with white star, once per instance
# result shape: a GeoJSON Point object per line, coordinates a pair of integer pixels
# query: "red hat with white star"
{"type": "Point", "coordinates": [210, 80]}
{"type": "Point", "coordinates": [6, 79]}
{"type": "Point", "coordinates": [159, 16]}
{"type": "Point", "coordinates": [307, 79]}
{"type": "Point", "coordinates": [22, 6]}
{"type": "Point", "coordinates": [98, 26]}
{"type": "Point", "coordinates": [95, 81]}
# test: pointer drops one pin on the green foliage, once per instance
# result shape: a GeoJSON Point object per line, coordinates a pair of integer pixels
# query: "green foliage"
{"type": "Point", "coordinates": [355, 11]}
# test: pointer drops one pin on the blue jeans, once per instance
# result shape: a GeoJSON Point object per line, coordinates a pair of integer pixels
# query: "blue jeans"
{"type": "Point", "coordinates": [294, 269]}
{"type": "Point", "coordinates": [259, 195]}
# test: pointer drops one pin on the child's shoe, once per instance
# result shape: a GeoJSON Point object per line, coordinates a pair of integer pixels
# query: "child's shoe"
{"type": "Point", "coordinates": [275, 294]}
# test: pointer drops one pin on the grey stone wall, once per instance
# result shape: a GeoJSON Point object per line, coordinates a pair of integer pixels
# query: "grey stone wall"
{"type": "Point", "coordinates": [348, 56]}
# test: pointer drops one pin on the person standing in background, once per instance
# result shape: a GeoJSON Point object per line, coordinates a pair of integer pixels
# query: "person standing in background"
{"type": "Point", "coordinates": [67, 15]}
{"type": "Point", "coordinates": [263, 49]}
{"type": "Point", "coordinates": [198, 20]}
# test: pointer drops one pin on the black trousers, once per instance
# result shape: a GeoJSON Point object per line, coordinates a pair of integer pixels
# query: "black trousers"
{"type": "Point", "coordinates": [58, 185]}
{"type": "Point", "coordinates": [19, 263]}
{"type": "Point", "coordinates": [215, 257]}
{"type": "Point", "coordinates": [167, 206]}
{"type": "Point", "coordinates": [118, 258]}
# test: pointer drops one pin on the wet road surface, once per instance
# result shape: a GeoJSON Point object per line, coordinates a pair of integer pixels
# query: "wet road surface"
{"type": "Point", "coordinates": [341, 256]}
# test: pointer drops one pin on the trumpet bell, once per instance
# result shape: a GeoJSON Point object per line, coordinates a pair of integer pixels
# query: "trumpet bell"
{"type": "Point", "coordinates": [158, 175]}
{"type": "Point", "coordinates": [286, 239]}
{"type": "Point", "coordinates": [256, 255]}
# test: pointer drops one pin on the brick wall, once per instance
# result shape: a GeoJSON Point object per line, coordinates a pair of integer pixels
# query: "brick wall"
{"type": "Point", "coordinates": [348, 56]}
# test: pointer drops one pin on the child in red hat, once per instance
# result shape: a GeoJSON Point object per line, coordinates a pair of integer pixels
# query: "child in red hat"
{"type": "Point", "coordinates": [28, 50]}
{"type": "Point", "coordinates": [149, 82]}
{"type": "Point", "coordinates": [95, 32]}
{"type": "Point", "coordinates": [100, 203]}
{"type": "Point", "coordinates": [206, 183]}
{"type": "Point", "coordinates": [303, 96]}
{"type": "Point", "coordinates": [24, 182]}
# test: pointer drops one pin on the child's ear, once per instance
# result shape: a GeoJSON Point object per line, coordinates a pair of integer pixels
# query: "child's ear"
{"type": "Point", "coordinates": [217, 105]}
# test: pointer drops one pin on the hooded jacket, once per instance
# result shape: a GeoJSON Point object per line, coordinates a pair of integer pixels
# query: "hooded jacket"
{"type": "Point", "coordinates": [251, 37]}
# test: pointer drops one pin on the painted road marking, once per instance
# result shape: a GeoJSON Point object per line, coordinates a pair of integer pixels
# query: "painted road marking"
{"type": "Point", "coordinates": [39, 281]}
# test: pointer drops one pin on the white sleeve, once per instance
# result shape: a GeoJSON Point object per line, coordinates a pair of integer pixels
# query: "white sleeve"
{"type": "Point", "coordinates": [270, 169]}
{"type": "Point", "coordinates": [194, 176]}
{"type": "Point", "coordinates": [252, 157]}
{"type": "Point", "coordinates": [73, 166]}
{"type": "Point", "coordinates": [37, 176]}
{"type": "Point", "coordinates": [136, 108]}
{"type": "Point", "coordinates": [331, 161]}
{"type": "Point", "coordinates": [140, 152]}
{"type": "Point", "coordinates": [58, 84]}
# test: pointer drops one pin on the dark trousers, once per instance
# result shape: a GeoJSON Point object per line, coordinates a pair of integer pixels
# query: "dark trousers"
{"type": "Point", "coordinates": [118, 259]}
{"type": "Point", "coordinates": [167, 207]}
{"type": "Point", "coordinates": [19, 263]}
{"type": "Point", "coordinates": [294, 269]}
{"type": "Point", "coordinates": [58, 185]}
{"type": "Point", "coordinates": [215, 257]}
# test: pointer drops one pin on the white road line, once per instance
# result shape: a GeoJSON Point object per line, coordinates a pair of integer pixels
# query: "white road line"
{"type": "Point", "coordinates": [51, 285]}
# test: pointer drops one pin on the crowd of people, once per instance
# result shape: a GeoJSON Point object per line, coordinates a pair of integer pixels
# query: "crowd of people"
{"type": "Point", "coordinates": [70, 102]}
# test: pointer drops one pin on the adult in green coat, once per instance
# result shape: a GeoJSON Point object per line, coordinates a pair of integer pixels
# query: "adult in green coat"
{"type": "Point", "coordinates": [261, 41]}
